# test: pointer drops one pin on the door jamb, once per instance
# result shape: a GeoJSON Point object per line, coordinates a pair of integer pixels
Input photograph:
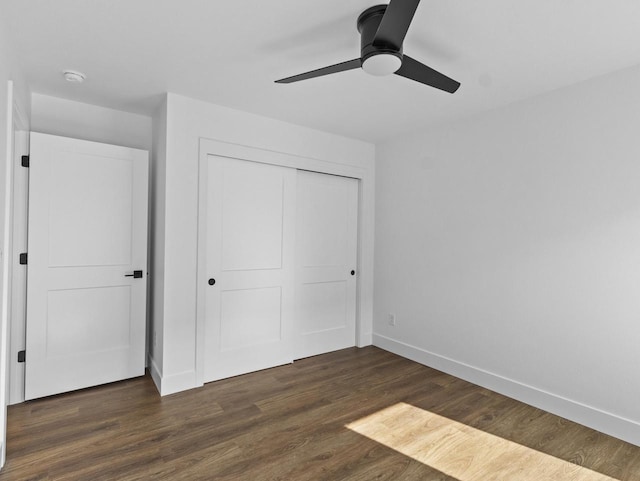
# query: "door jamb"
{"type": "Point", "coordinates": [19, 272]}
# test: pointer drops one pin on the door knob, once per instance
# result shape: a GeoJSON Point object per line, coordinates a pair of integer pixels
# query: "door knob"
{"type": "Point", "coordinates": [212, 281]}
{"type": "Point", "coordinates": [135, 275]}
{"type": "Point", "coordinates": [353, 273]}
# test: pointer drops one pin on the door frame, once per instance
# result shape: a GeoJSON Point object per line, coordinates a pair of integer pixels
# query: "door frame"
{"type": "Point", "coordinates": [18, 322]}
{"type": "Point", "coordinates": [282, 159]}
{"type": "Point", "coordinates": [17, 121]}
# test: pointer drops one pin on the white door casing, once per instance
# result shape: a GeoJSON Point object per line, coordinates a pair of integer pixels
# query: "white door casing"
{"type": "Point", "coordinates": [250, 219]}
{"type": "Point", "coordinates": [363, 172]}
{"type": "Point", "coordinates": [19, 272]}
{"type": "Point", "coordinates": [6, 171]}
{"type": "Point", "coordinates": [87, 231]}
{"type": "Point", "coordinates": [326, 258]}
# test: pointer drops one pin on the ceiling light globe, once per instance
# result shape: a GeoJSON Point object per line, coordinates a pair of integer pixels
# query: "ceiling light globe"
{"type": "Point", "coordinates": [382, 64]}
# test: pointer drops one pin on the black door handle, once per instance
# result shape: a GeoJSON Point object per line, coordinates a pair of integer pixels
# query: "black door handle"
{"type": "Point", "coordinates": [135, 275]}
{"type": "Point", "coordinates": [353, 273]}
{"type": "Point", "coordinates": [212, 281]}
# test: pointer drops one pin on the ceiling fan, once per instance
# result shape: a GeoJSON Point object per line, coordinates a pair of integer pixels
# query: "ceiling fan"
{"type": "Point", "coordinates": [382, 31]}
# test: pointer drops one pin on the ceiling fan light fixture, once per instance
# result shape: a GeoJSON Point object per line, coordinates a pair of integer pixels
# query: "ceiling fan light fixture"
{"type": "Point", "coordinates": [382, 31]}
{"type": "Point", "coordinates": [382, 64]}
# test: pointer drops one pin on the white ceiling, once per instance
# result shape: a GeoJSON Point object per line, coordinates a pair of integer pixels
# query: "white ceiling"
{"type": "Point", "coordinates": [230, 52]}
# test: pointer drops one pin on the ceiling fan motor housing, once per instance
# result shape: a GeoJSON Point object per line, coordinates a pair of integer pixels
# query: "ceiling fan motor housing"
{"type": "Point", "coordinates": [368, 23]}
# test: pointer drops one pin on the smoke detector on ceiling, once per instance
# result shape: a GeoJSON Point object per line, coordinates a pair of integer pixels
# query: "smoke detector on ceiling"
{"type": "Point", "coordinates": [74, 76]}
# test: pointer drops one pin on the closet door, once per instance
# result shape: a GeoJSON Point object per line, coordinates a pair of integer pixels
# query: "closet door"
{"type": "Point", "coordinates": [249, 300]}
{"type": "Point", "coordinates": [326, 246]}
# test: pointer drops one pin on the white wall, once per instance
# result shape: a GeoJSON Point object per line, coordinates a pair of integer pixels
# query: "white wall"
{"type": "Point", "coordinates": [508, 246]}
{"type": "Point", "coordinates": [157, 188]}
{"type": "Point", "coordinates": [187, 122]}
{"type": "Point", "coordinates": [67, 118]}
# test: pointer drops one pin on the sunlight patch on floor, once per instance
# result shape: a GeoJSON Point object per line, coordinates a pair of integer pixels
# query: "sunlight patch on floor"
{"type": "Point", "coordinates": [464, 452]}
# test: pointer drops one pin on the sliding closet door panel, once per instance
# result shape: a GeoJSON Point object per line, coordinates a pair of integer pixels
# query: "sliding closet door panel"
{"type": "Point", "coordinates": [250, 263]}
{"type": "Point", "coordinates": [326, 241]}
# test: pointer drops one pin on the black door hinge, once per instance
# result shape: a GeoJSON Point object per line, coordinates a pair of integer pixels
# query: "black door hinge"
{"type": "Point", "coordinates": [22, 356]}
{"type": "Point", "coordinates": [23, 259]}
{"type": "Point", "coordinates": [25, 161]}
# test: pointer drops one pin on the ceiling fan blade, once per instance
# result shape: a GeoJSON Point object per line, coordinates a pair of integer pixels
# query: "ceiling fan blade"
{"type": "Point", "coordinates": [414, 70]}
{"type": "Point", "coordinates": [395, 23]}
{"type": "Point", "coordinates": [339, 67]}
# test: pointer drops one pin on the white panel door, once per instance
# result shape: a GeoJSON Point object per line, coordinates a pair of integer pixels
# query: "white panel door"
{"type": "Point", "coordinates": [326, 257]}
{"type": "Point", "coordinates": [249, 297]}
{"type": "Point", "coordinates": [87, 235]}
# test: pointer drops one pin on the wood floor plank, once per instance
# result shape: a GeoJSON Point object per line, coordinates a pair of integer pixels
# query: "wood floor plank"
{"type": "Point", "coordinates": [297, 423]}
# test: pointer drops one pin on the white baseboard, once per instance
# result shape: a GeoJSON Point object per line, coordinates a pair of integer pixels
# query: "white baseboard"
{"type": "Point", "coordinates": [602, 421]}
{"type": "Point", "coordinates": [174, 383]}
{"type": "Point", "coordinates": [155, 373]}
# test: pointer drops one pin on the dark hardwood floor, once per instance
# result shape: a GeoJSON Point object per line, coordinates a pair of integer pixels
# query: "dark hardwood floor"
{"type": "Point", "coordinates": [356, 414]}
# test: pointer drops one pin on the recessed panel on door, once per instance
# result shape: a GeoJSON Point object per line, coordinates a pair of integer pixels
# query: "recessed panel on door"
{"type": "Point", "coordinates": [90, 221]}
{"type": "Point", "coordinates": [84, 321]}
{"type": "Point", "coordinates": [252, 217]}
{"type": "Point", "coordinates": [250, 318]}
{"type": "Point", "coordinates": [325, 306]}
{"type": "Point", "coordinates": [324, 219]}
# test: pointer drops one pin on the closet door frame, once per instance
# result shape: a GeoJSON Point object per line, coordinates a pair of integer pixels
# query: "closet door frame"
{"type": "Point", "coordinates": [253, 154]}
